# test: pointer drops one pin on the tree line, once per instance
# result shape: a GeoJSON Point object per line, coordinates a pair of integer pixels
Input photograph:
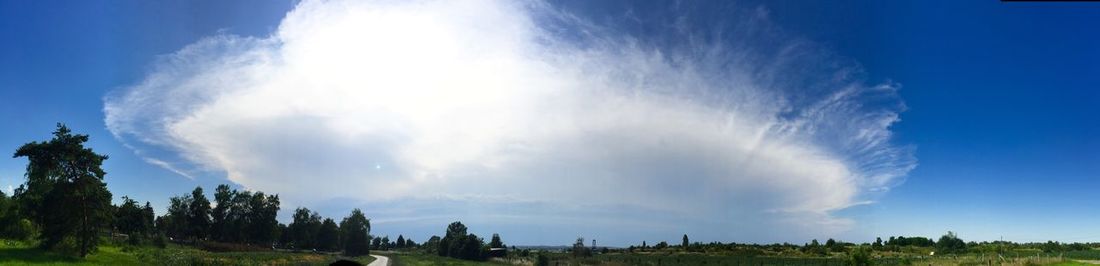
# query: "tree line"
{"type": "Point", "coordinates": [64, 205]}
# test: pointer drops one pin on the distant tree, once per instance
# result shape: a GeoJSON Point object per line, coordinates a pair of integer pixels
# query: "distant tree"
{"type": "Point", "coordinates": [128, 217]}
{"type": "Point", "coordinates": [238, 225]}
{"type": "Point", "coordinates": [579, 250]}
{"type": "Point", "coordinates": [815, 248]}
{"type": "Point", "coordinates": [285, 240]}
{"type": "Point", "coordinates": [148, 218]}
{"type": "Point", "coordinates": [386, 245]}
{"type": "Point", "coordinates": [950, 244]}
{"type": "Point", "coordinates": [12, 224]}
{"type": "Point", "coordinates": [328, 237]}
{"type": "Point", "coordinates": [474, 248]}
{"type": "Point", "coordinates": [400, 242]}
{"type": "Point", "coordinates": [175, 222]}
{"type": "Point", "coordinates": [542, 260]}
{"type": "Point", "coordinates": [356, 231]}
{"type": "Point", "coordinates": [376, 243]}
{"type": "Point", "coordinates": [432, 245]}
{"type": "Point", "coordinates": [198, 215]}
{"type": "Point", "coordinates": [877, 245]}
{"type": "Point", "coordinates": [304, 228]}
{"type": "Point", "coordinates": [451, 244]}
{"type": "Point", "coordinates": [661, 245]}
{"type": "Point", "coordinates": [261, 223]}
{"type": "Point", "coordinates": [684, 244]}
{"type": "Point", "coordinates": [1051, 246]}
{"type": "Point", "coordinates": [64, 191]}
{"type": "Point", "coordinates": [859, 256]}
{"type": "Point", "coordinates": [220, 227]}
{"type": "Point", "coordinates": [496, 243]}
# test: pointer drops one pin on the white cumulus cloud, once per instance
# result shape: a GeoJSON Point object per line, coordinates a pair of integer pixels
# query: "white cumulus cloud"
{"type": "Point", "coordinates": [485, 102]}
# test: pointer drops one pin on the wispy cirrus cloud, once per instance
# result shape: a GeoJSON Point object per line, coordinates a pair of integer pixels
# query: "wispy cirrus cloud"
{"type": "Point", "coordinates": [523, 110]}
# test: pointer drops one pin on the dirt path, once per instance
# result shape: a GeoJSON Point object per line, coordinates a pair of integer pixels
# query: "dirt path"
{"type": "Point", "coordinates": [379, 261]}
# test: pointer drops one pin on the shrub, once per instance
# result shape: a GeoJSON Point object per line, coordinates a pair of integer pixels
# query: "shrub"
{"type": "Point", "coordinates": [160, 240]}
{"type": "Point", "coordinates": [542, 260]}
{"type": "Point", "coordinates": [859, 256]}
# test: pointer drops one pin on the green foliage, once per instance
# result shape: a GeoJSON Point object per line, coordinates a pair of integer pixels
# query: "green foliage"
{"type": "Point", "coordinates": [356, 232]}
{"type": "Point", "coordinates": [328, 237]}
{"type": "Point", "coordinates": [456, 243]}
{"type": "Point", "coordinates": [219, 223]}
{"type": "Point", "coordinates": [304, 228]}
{"type": "Point", "coordinates": [579, 251]}
{"type": "Point", "coordinates": [13, 225]}
{"type": "Point", "coordinates": [427, 259]}
{"type": "Point", "coordinates": [542, 260]}
{"type": "Point", "coordinates": [133, 220]}
{"type": "Point", "coordinates": [64, 192]}
{"type": "Point", "coordinates": [859, 256]}
{"type": "Point", "coordinates": [198, 215]}
{"type": "Point", "coordinates": [950, 244]}
{"type": "Point", "coordinates": [496, 243]}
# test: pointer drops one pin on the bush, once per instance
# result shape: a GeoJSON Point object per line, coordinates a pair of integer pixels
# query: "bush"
{"type": "Point", "coordinates": [22, 229]}
{"type": "Point", "coordinates": [542, 260]}
{"type": "Point", "coordinates": [160, 240]}
{"type": "Point", "coordinates": [133, 240]}
{"type": "Point", "coordinates": [859, 256]}
{"type": "Point", "coordinates": [229, 247]}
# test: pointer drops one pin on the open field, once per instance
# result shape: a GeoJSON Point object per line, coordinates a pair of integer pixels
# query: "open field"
{"type": "Point", "coordinates": [421, 259]}
{"type": "Point", "coordinates": [21, 253]}
{"type": "Point", "coordinates": [880, 258]}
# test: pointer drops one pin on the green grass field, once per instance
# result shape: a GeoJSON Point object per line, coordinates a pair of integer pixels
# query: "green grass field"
{"type": "Point", "coordinates": [421, 259]}
{"type": "Point", "coordinates": [21, 253]}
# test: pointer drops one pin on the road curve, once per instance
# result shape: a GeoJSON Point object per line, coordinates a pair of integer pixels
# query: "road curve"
{"type": "Point", "coordinates": [379, 261]}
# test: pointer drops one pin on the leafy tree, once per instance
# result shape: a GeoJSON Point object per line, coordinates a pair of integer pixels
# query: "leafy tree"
{"type": "Point", "coordinates": [284, 236]}
{"type": "Point", "coordinates": [859, 256]}
{"type": "Point", "coordinates": [950, 243]}
{"type": "Point", "coordinates": [400, 241]}
{"type": "Point", "coordinates": [473, 248]}
{"type": "Point", "coordinates": [878, 244]}
{"type": "Point", "coordinates": [579, 250]}
{"type": "Point", "coordinates": [220, 227]}
{"type": "Point", "coordinates": [542, 260]}
{"type": "Point", "coordinates": [432, 245]}
{"type": "Point", "coordinates": [12, 224]}
{"type": "Point", "coordinates": [456, 243]}
{"type": "Point", "coordinates": [661, 245]}
{"type": "Point", "coordinates": [132, 219]}
{"type": "Point", "coordinates": [175, 222]}
{"type": "Point", "coordinates": [64, 191]}
{"type": "Point", "coordinates": [304, 228]}
{"type": "Point", "coordinates": [684, 244]}
{"type": "Point", "coordinates": [495, 243]}
{"type": "Point", "coordinates": [815, 248]}
{"type": "Point", "coordinates": [198, 215]}
{"type": "Point", "coordinates": [356, 231]}
{"type": "Point", "coordinates": [450, 245]}
{"type": "Point", "coordinates": [328, 237]}
{"type": "Point", "coordinates": [385, 243]}
{"type": "Point", "coordinates": [262, 225]}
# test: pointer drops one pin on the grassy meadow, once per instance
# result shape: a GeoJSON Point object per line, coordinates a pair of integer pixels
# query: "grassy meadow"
{"type": "Point", "coordinates": [23, 253]}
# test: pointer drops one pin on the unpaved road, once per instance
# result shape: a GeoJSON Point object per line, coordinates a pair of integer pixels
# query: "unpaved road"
{"type": "Point", "coordinates": [379, 261]}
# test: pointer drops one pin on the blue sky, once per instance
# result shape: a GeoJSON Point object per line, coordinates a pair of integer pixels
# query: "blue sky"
{"type": "Point", "coordinates": [994, 104]}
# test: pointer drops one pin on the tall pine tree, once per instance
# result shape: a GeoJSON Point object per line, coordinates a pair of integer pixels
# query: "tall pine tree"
{"type": "Point", "coordinates": [65, 193]}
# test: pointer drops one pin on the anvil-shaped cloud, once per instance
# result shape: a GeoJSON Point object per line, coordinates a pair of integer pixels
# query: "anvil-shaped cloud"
{"type": "Point", "coordinates": [508, 106]}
